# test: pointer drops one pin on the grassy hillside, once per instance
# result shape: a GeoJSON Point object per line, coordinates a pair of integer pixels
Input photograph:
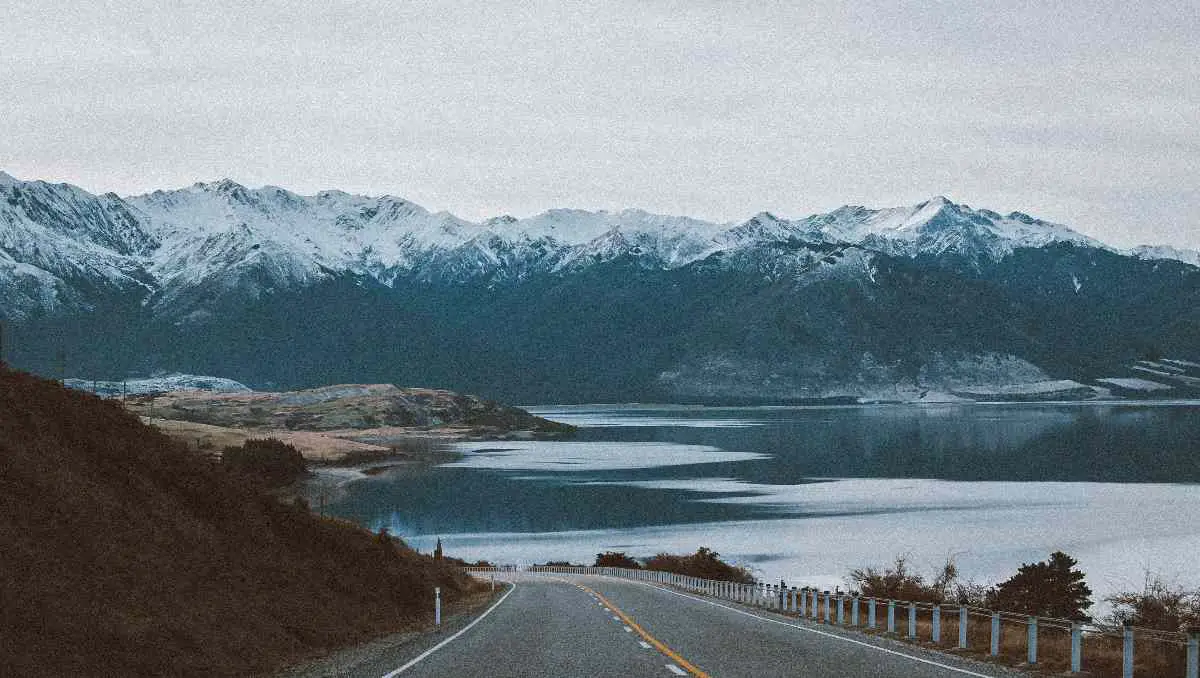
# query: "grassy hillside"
{"type": "Point", "coordinates": [125, 554]}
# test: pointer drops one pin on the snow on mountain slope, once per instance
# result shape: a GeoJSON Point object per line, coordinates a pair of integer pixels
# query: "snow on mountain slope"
{"type": "Point", "coordinates": [1166, 252]}
{"type": "Point", "coordinates": [939, 226]}
{"type": "Point", "coordinates": [60, 244]}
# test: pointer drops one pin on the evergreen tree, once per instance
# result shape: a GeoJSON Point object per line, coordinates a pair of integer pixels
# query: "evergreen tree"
{"type": "Point", "coordinates": [437, 550]}
{"type": "Point", "coordinates": [1050, 588]}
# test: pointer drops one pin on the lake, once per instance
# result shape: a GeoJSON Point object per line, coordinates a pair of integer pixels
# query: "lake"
{"type": "Point", "coordinates": [806, 494]}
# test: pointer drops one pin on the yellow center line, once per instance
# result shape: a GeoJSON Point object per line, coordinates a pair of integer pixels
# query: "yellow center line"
{"type": "Point", "coordinates": [685, 664]}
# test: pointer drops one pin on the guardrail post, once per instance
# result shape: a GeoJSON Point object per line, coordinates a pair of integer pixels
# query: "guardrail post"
{"type": "Point", "coordinates": [962, 627]}
{"type": "Point", "coordinates": [936, 632]}
{"type": "Point", "coordinates": [891, 616]}
{"type": "Point", "coordinates": [1193, 654]}
{"type": "Point", "coordinates": [841, 618]}
{"type": "Point", "coordinates": [1031, 642]}
{"type": "Point", "coordinates": [854, 611]}
{"type": "Point", "coordinates": [871, 613]}
{"type": "Point", "coordinates": [803, 602]}
{"type": "Point", "coordinates": [828, 607]}
{"type": "Point", "coordinates": [995, 649]}
{"type": "Point", "coordinates": [912, 620]}
{"type": "Point", "coordinates": [1127, 654]}
{"type": "Point", "coordinates": [815, 607]}
{"type": "Point", "coordinates": [1076, 647]}
{"type": "Point", "coordinates": [792, 601]}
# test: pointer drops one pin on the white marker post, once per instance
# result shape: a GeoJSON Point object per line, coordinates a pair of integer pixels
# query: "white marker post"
{"type": "Point", "coordinates": [437, 606]}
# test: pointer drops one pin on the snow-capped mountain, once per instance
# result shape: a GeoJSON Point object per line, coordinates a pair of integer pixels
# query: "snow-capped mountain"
{"type": "Point", "coordinates": [191, 249]}
{"type": "Point", "coordinates": [274, 288]}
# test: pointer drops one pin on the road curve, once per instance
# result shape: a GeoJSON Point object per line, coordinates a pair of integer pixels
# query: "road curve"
{"type": "Point", "coordinates": [569, 625]}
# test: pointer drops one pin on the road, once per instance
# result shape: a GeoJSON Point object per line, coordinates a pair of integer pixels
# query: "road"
{"type": "Point", "coordinates": [566, 625]}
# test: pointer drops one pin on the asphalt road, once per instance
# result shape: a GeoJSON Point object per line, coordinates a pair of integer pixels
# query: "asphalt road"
{"type": "Point", "coordinates": [564, 625]}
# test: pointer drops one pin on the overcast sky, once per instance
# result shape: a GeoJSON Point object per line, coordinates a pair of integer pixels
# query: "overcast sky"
{"type": "Point", "coordinates": [1087, 113]}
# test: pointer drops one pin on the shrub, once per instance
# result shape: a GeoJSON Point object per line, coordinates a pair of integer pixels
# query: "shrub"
{"type": "Point", "coordinates": [899, 582]}
{"type": "Point", "coordinates": [616, 559]}
{"type": "Point", "coordinates": [1052, 588]}
{"type": "Point", "coordinates": [704, 563]}
{"type": "Point", "coordinates": [272, 460]}
{"type": "Point", "coordinates": [1158, 606]}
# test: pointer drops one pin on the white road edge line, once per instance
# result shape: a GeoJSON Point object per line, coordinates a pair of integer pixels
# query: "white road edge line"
{"type": "Point", "coordinates": [806, 629]}
{"type": "Point", "coordinates": [644, 644]}
{"type": "Point", "coordinates": [676, 670]}
{"type": "Point", "coordinates": [452, 638]}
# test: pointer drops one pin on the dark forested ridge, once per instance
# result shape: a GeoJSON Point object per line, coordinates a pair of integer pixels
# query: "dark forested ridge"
{"type": "Point", "coordinates": [612, 330]}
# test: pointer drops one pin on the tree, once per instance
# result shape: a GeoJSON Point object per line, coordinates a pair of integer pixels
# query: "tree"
{"type": "Point", "coordinates": [270, 459]}
{"type": "Point", "coordinates": [616, 559]}
{"type": "Point", "coordinates": [1052, 588]}
{"type": "Point", "coordinates": [437, 550]}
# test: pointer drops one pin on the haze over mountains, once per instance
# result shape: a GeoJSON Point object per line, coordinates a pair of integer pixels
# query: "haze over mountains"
{"type": "Point", "coordinates": [273, 288]}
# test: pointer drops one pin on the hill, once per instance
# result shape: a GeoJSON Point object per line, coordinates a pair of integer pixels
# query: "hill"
{"type": "Point", "coordinates": [125, 554]}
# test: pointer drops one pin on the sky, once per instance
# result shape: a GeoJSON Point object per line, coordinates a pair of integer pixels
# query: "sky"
{"type": "Point", "coordinates": [1085, 113]}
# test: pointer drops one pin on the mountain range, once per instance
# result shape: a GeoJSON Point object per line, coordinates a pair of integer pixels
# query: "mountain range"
{"type": "Point", "coordinates": [281, 290]}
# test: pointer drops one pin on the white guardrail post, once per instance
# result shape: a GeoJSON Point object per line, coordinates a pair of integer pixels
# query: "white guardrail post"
{"type": "Point", "coordinates": [1031, 642]}
{"type": "Point", "coordinates": [962, 627]}
{"type": "Point", "coordinates": [854, 611]}
{"type": "Point", "coordinates": [1076, 647]}
{"type": "Point", "coordinates": [1193, 653]}
{"type": "Point", "coordinates": [871, 613]}
{"type": "Point", "coordinates": [841, 616]}
{"type": "Point", "coordinates": [804, 602]}
{"type": "Point", "coordinates": [828, 607]}
{"type": "Point", "coordinates": [936, 633]}
{"type": "Point", "coordinates": [995, 648]}
{"type": "Point", "coordinates": [891, 627]}
{"type": "Point", "coordinates": [1127, 654]}
{"type": "Point", "coordinates": [792, 602]}
{"type": "Point", "coordinates": [912, 620]}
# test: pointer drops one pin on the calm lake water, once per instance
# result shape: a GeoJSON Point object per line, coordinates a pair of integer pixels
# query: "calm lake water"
{"type": "Point", "coordinates": [808, 493]}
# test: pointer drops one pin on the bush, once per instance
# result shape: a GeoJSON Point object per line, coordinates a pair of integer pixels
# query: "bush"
{"type": "Point", "coordinates": [1050, 588]}
{"type": "Point", "coordinates": [898, 582]}
{"type": "Point", "coordinates": [704, 563]}
{"type": "Point", "coordinates": [616, 559]}
{"type": "Point", "coordinates": [272, 460]}
{"type": "Point", "coordinates": [1158, 606]}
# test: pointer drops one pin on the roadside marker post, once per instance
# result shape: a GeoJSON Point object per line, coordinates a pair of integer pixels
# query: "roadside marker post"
{"type": "Point", "coordinates": [437, 606]}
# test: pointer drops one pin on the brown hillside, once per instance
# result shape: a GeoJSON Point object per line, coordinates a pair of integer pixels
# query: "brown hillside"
{"type": "Point", "coordinates": [121, 553]}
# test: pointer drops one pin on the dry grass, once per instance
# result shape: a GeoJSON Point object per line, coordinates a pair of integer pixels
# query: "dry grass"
{"type": "Point", "coordinates": [318, 447]}
{"type": "Point", "coordinates": [1101, 654]}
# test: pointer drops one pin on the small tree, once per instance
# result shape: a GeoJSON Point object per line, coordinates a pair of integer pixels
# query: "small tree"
{"type": "Point", "coordinates": [1052, 588]}
{"type": "Point", "coordinates": [616, 559]}
{"type": "Point", "coordinates": [273, 460]}
{"type": "Point", "coordinates": [437, 550]}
